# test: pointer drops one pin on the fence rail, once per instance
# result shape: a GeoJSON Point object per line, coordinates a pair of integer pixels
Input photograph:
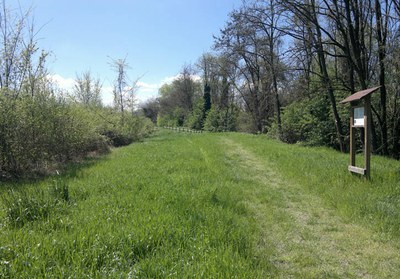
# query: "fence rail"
{"type": "Point", "coordinates": [184, 130]}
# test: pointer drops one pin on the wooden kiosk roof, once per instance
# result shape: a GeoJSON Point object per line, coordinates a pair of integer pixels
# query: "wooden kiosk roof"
{"type": "Point", "coordinates": [359, 95]}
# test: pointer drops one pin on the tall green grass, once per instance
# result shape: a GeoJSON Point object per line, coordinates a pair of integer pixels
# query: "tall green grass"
{"type": "Point", "coordinates": [167, 207]}
{"type": "Point", "coordinates": [28, 205]}
{"type": "Point", "coordinates": [374, 203]}
{"type": "Point", "coordinates": [180, 206]}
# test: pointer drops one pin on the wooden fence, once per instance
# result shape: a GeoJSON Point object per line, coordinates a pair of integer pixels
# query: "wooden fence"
{"type": "Point", "coordinates": [184, 130]}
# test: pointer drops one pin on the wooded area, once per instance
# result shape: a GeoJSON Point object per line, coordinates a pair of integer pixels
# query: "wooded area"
{"type": "Point", "coordinates": [276, 67]}
{"type": "Point", "coordinates": [281, 67]}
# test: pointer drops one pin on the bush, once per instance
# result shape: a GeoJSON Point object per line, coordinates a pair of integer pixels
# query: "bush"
{"type": "Point", "coordinates": [196, 118]}
{"type": "Point", "coordinates": [218, 120]}
{"type": "Point", "coordinates": [123, 130]}
{"type": "Point", "coordinates": [42, 133]}
{"type": "Point", "coordinates": [308, 121]}
{"type": "Point", "coordinates": [174, 119]}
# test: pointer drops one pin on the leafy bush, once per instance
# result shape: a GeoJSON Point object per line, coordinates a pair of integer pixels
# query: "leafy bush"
{"type": "Point", "coordinates": [42, 133]}
{"type": "Point", "coordinates": [219, 120]}
{"type": "Point", "coordinates": [308, 122]}
{"type": "Point", "coordinates": [39, 133]}
{"type": "Point", "coordinates": [175, 119]}
{"type": "Point", "coordinates": [196, 118]}
{"type": "Point", "coordinates": [120, 129]}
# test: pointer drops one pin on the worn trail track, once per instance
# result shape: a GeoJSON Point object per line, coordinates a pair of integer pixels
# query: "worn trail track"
{"type": "Point", "coordinates": [304, 236]}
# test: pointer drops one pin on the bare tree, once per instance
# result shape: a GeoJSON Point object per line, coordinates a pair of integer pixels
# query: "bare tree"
{"type": "Point", "coordinates": [251, 42]}
{"type": "Point", "coordinates": [124, 90]}
{"type": "Point", "coordinates": [87, 90]}
{"type": "Point", "coordinates": [307, 13]}
{"type": "Point", "coordinates": [266, 17]}
{"type": "Point", "coordinates": [22, 64]}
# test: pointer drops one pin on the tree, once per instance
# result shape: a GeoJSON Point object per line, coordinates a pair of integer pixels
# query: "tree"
{"type": "Point", "coordinates": [217, 74]}
{"type": "Point", "coordinates": [307, 14]}
{"type": "Point", "coordinates": [207, 98]}
{"type": "Point", "coordinates": [87, 90]}
{"type": "Point", "coordinates": [124, 90]}
{"type": "Point", "coordinates": [266, 16]}
{"type": "Point", "coordinates": [239, 42]}
{"type": "Point", "coordinates": [382, 20]}
{"type": "Point", "coordinates": [178, 99]}
{"type": "Point", "coordinates": [151, 109]}
{"type": "Point", "coordinates": [22, 64]}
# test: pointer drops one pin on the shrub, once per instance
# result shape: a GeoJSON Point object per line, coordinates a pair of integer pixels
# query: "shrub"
{"type": "Point", "coordinates": [196, 118]}
{"type": "Point", "coordinates": [42, 133]}
{"type": "Point", "coordinates": [219, 120]}
{"type": "Point", "coordinates": [124, 130]}
{"type": "Point", "coordinates": [39, 133]}
{"type": "Point", "coordinates": [308, 122]}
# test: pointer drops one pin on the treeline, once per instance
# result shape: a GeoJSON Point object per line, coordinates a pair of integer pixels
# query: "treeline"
{"type": "Point", "coordinates": [43, 128]}
{"type": "Point", "coordinates": [282, 67]}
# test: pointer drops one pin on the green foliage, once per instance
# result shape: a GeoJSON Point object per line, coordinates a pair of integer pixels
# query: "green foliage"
{"type": "Point", "coordinates": [39, 131]}
{"type": "Point", "coordinates": [218, 120]}
{"type": "Point", "coordinates": [246, 122]}
{"type": "Point", "coordinates": [42, 133]}
{"type": "Point", "coordinates": [308, 121]}
{"type": "Point", "coordinates": [213, 120]}
{"type": "Point", "coordinates": [174, 119]}
{"type": "Point", "coordinates": [118, 129]}
{"type": "Point", "coordinates": [178, 99]}
{"type": "Point", "coordinates": [196, 118]}
{"type": "Point", "coordinates": [207, 98]}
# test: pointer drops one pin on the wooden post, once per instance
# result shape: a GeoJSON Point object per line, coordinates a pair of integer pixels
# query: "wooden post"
{"type": "Point", "coordinates": [352, 139]}
{"type": "Point", "coordinates": [367, 135]}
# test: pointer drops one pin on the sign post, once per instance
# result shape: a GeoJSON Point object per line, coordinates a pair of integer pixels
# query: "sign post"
{"type": "Point", "coordinates": [360, 118]}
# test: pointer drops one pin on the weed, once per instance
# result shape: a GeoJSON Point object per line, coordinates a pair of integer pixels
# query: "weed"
{"type": "Point", "coordinates": [59, 190]}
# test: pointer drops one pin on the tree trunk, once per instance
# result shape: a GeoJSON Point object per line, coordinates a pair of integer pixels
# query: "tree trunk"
{"type": "Point", "coordinates": [381, 36]}
{"type": "Point", "coordinates": [327, 81]}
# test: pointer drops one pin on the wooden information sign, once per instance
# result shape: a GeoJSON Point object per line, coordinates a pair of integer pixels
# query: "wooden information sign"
{"type": "Point", "coordinates": [360, 118]}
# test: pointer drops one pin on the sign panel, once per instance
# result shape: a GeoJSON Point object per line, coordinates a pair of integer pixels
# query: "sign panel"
{"type": "Point", "coordinates": [359, 117]}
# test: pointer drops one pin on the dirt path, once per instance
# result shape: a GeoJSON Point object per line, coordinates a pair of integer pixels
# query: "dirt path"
{"type": "Point", "coordinates": [300, 236]}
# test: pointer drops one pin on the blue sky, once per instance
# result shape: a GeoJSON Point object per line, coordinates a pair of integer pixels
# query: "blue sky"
{"type": "Point", "coordinates": [157, 36]}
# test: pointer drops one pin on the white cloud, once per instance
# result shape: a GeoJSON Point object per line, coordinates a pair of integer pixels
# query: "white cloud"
{"type": "Point", "coordinates": [169, 80]}
{"type": "Point", "coordinates": [147, 87]}
{"type": "Point", "coordinates": [64, 83]}
{"type": "Point", "coordinates": [107, 95]}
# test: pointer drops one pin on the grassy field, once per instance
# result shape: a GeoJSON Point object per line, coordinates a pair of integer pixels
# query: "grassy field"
{"type": "Point", "coordinates": [205, 206]}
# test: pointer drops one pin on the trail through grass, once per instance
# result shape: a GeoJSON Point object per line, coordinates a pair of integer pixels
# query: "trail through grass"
{"type": "Point", "coordinates": [309, 239]}
{"type": "Point", "coordinates": [205, 206]}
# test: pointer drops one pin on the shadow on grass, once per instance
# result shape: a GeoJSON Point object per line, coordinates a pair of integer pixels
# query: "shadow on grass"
{"type": "Point", "coordinates": [66, 172]}
{"type": "Point", "coordinates": [73, 169]}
